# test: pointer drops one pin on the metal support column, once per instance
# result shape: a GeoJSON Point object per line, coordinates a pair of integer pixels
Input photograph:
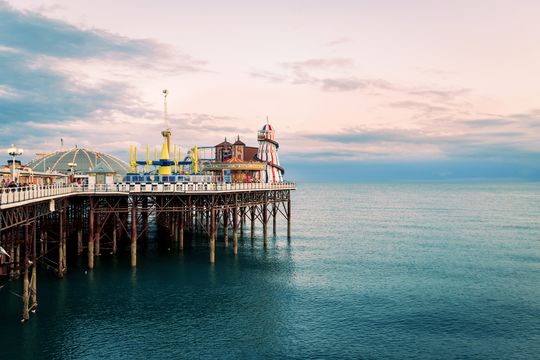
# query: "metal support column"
{"type": "Point", "coordinates": [134, 232]}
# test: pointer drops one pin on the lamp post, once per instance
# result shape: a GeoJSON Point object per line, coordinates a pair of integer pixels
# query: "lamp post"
{"type": "Point", "coordinates": [14, 152]}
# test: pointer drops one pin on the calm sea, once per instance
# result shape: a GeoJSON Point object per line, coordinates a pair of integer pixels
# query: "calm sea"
{"type": "Point", "coordinates": [391, 271]}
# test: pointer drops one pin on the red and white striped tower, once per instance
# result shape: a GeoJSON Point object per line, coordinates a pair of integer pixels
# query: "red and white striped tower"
{"type": "Point", "coordinates": [267, 152]}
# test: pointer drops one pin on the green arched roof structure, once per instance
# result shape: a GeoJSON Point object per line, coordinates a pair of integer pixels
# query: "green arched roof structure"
{"type": "Point", "coordinates": [85, 159]}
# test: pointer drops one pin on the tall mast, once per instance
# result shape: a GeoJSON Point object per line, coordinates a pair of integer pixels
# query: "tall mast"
{"type": "Point", "coordinates": [167, 132]}
{"type": "Point", "coordinates": [165, 93]}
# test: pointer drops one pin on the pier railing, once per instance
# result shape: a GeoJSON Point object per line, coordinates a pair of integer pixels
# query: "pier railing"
{"type": "Point", "coordinates": [184, 187]}
{"type": "Point", "coordinates": [10, 195]}
{"type": "Point", "coordinates": [16, 195]}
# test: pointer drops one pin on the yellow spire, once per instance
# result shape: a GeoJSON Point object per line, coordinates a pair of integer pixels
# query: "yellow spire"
{"type": "Point", "coordinates": [175, 160]}
{"type": "Point", "coordinates": [148, 161]}
{"type": "Point", "coordinates": [131, 158]}
{"type": "Point", "coordinates": [195, 160]}
{"type": "Point", "coordinates": [134, 163]}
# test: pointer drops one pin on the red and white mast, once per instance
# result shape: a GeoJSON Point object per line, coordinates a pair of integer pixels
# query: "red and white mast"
{"type": "Point", "coordinates": [267, 152]}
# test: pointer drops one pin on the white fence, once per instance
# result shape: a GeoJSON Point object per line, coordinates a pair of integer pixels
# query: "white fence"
{"type": "Point", "coordinates": [12, 195]}
{"type": "Point", "coordinates": [184, 187]}
{"type": "Point", "coordinates": [36, 192]}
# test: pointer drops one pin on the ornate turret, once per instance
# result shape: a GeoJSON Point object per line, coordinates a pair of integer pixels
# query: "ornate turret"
{"type": "Point", "coordinates": [223, 151]}
{"type": "Point", "coordinates": [238, 149]}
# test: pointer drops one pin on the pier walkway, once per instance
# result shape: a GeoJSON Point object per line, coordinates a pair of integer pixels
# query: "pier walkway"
{"type": "Point", "coordinates": [11, 197]}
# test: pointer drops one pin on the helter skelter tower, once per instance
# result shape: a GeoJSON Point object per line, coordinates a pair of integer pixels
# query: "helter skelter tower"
{"type": "Point", "coordinates": [267, 152]}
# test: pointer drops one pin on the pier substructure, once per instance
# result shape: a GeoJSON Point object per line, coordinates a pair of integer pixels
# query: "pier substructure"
{"type": "Point", "coordinates": [38, 232]}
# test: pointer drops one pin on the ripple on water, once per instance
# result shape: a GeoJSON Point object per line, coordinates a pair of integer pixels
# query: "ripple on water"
{"type": "Point", "coordinates": [373, 271]}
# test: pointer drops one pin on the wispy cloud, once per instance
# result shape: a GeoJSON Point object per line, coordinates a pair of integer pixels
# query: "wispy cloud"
{"type": "Point", "coordinates": [416, 136]}
{"type": "Point", "coordinates": [416, 105]}
{"type": "Point", "coordinates": [42, 80]}
{"type": "Point", "coordinates": [268, 75]}
{"type": "Point", "coordinates": [397, 142]}
{"type": "Point", "coordinates": [339, 41]}
{"type": "Point", "coordinates": [487, 123]}
{"type": "Point", "coordinates": [319, 63]}
{"type": "Point", "coordinates": [33, 34]}
{"type": "Point", "coordinates": [327, 74]}
{"type": "Point", "coordinates": [440, 94]}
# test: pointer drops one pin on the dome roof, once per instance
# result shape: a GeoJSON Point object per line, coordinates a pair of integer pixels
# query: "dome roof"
{"type": "Point", "coordinates": [85, 159]}
{"type": "Point", "coordinates": [267, 127]}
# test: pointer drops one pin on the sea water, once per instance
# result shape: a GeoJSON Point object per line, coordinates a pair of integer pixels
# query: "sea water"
{"type": "Point", "coordinates": [372, 271]}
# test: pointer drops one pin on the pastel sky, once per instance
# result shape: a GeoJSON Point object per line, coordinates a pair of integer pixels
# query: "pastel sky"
{"type": "Point", "coordinates": [356, 89]}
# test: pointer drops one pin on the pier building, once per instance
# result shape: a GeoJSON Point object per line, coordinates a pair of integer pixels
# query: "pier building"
{"type": "Point", "coordinates": [78, 162]}
{"type": "Point", "coordinates": [46, 226]}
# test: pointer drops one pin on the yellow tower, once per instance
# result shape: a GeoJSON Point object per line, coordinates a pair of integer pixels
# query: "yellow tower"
{"type": "Point", "coordinates": [132, 159]}
{"type": "Point", "coordinates": [148, 161]}
{"type": "Point", "coordinates": [165, 169]}
{"type": "Point", "coordinates": [195, 160]}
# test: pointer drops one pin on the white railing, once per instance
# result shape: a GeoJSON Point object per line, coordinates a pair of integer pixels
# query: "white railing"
{"type": "Point", "coordinates": [11, 195]}
{"type": "Point", "coordinates": [181, 187]}
{"type": "Point", "coordinates": [37, 192]}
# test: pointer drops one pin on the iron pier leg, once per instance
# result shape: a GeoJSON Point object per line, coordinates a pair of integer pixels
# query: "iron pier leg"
{"type": "Point", "coordinates": [91, 236]}
{"type": "Point", "coordinates": [226, 227]}
{"type": "Point", "coordinates": [242, 220]}
{"type": "Point", "coordinates": [181, 232]}
{"type": "Point", "coordinates": [25, 296]}
{"type": "Point", "coordinates": [265, 222]}
{"type": "Point", "coordinates": [252, 223]}
{"type": "Point", "coordinates": [33, 282]}
{"type": "Point", "coordinates": [17, 254]}
{"type": "Point", "coordinates": [114, 234]}
{"type": "Point", "coordinates": [46, 242]}
{"type": "Point", "coordinates": [134, 233]}
{"type": "Point", "coordinates": [41, 243]}
{"type": "Point", "coordinates": [289, 218]}
{"type": "Point", "coordinates": [12, 254]}
{"type": "Point", "coordinates": [213, 235]}
{"type": "Point", "coordinates": [235, 230]}
{"type": "Point", "coordinates": [60, 270]}
{"type": "Point", "coordinates": [97, 238]}
{"type": "Point", "coordinates": [79, 241]}
{"type": "Point", "coordinates": [274, 222]}
{"type": "Point", "coordinates": [64, 250]}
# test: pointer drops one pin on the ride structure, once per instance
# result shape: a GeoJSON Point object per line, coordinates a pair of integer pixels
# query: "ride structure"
{"type": "Point", "coordinates": [225, 162]}
{"type": "Point", "coordinates": [164, 170]}
{"type": "Point", "coordinates": [267, 153]}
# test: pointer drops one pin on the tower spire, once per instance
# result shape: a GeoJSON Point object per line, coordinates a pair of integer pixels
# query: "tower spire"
{"type": "Point", "coordinates": [165, 117]}
{"type": "Point", "coordinates": [167, 132]}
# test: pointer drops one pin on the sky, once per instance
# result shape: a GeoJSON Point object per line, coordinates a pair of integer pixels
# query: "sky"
{"type": "Point", "coordinates": [356, 90]}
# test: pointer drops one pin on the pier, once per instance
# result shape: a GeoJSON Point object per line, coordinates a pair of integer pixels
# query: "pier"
{"type": "Point", "coordinates": [40, 225]}
{"type": "Point", "coordinates": [90, 203]}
